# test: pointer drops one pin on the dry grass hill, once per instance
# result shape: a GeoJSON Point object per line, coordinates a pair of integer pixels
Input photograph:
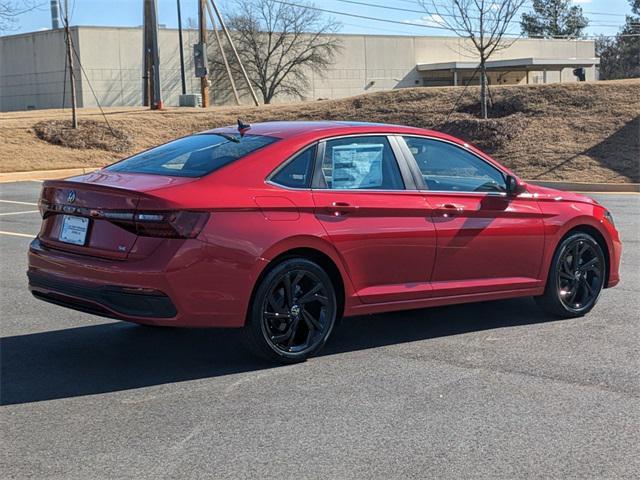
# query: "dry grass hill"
{"type": "Point", "coordinates": [573, 132]}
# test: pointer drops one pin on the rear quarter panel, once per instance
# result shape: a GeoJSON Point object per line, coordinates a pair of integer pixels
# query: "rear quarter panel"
{"type": "Point", "coordinates": [245, 234]}
{"type": "Point", "coordinates": [251, 223]}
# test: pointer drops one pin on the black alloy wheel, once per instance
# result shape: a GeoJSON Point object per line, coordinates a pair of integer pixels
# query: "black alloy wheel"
{"type": "Point", "coordinates": [293, 312]}
{"type": "Point", "coordinates": [580, 275]}
{"type": "Point", "coordinates": [576, 277]}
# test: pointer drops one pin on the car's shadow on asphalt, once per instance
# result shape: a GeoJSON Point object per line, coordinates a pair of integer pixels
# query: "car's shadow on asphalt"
{"type": "Point", "coordinates": [119, 356]}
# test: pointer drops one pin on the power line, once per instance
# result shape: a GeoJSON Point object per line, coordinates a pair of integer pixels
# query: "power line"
{"type": "Point", "coordinates": [355, 15]}
{"type": "Point", "coordinates": [530, 4]}
{"type": "Point", "coordinates": [424, 11]}
{"type": "Point", "coordinates": [75, 53]}
{"type": "Point", "coordinates": [405, 24]}
{"type": "Point", "coordinates": [396, 31]}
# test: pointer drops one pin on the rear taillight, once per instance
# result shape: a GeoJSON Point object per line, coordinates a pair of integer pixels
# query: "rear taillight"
{"type": "Point", "coordinates": [174, 224]}
{"type": "Point", "coordinates": [43, 207]}
{"type": "Point", "coordinates": [166, 224]}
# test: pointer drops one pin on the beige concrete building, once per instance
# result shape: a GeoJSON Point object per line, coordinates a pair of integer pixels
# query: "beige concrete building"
{"type": "Point", "coordinates": [32, 66]}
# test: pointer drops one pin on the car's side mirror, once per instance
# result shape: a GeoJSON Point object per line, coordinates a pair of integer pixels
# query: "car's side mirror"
{"type": "Point", "coordinates": [513, 186]}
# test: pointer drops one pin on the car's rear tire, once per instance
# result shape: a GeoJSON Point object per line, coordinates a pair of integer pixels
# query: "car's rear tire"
{"type": "Point", "coordinates": [292, 313]}
{"type": "Point", "coordinates": [576, 277]}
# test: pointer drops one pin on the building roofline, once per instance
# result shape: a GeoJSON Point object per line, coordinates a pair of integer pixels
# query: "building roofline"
{"type": "Point", "coordinates": [511, 63]}
{"type": "Point", "coordinates": [447, 37]}
{"type": "Point", "coordinates": [37, 32]}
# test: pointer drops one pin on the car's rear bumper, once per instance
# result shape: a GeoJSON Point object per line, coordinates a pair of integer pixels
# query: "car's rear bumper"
{"type": "Point", "coordinates": [106, 300]}
{"type": "Point", "coordinates": [180, 284]}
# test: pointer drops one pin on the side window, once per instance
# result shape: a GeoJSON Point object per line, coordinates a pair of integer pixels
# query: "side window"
{"type": "Point", "coordinates": [355, 163]}
{"type": "Point", "coordinates": [446, 167]}
{"type": "Point", "coordinates": [297, 172]}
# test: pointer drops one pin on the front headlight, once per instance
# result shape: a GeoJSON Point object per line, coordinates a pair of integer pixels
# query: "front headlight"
{"type": "Point", "coordinates": [609, 218]}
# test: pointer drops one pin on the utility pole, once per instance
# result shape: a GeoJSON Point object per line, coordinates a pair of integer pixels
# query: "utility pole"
{"type": "Point", "coordinates": [202, 23]}
{"type": "Point", "coordinates": [146, 56]}
{"type": "Point", "coordinates": [72, 80]}
{"type": "Point", "coordinates": [152, 92]}
{"type": "Point", "coordinates": [182, 77]}
{"type": "Point", "coordinates": [235, 52]}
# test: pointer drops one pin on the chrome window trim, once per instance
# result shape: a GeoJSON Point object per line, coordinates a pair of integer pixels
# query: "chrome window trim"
{"type": "Point", "coordinates": [365, 190]}
{"type": "Point", "coordinates": [294, 189]}
{"type": "Point", "coordinates": [464, 192]}
{"type": "Point", "coordinates": [405, 156]}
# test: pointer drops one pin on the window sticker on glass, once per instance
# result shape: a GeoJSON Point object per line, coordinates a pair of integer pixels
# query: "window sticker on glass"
{"type": "Point", "coordinates": [357, 166]}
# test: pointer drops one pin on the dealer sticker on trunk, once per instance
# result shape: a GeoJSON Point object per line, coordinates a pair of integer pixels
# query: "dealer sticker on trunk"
{"type": "Point", "coordinates": [74, 230]}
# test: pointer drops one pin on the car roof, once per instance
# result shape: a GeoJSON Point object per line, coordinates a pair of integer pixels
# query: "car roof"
{"type": "Point", "coordinates": [290, 129]}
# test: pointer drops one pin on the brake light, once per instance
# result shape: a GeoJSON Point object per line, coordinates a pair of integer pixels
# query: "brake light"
{"type": "Point", "coordinates": [43, 207]}
{"type": "Point", "coordinates": [174, 224]}
{"type": "Point", "coordinates": [166, 224]}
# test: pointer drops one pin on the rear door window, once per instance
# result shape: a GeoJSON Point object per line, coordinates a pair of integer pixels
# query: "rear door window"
{"type": "Point", "coordinates": [360, 163]}
{"type": "Point", "coordinates": [193, 156]}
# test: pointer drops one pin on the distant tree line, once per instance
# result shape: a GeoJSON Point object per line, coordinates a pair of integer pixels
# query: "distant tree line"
{"type": "Point", "coordinates": [554, 18]}
{"type": "Point", "coordinates": [619, 54]}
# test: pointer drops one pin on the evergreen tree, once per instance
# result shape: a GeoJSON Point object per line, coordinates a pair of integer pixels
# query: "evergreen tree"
{"type": "Point", "coordinates": [620, 55]}
{"type": "Point", "coordinates": [554, 18]}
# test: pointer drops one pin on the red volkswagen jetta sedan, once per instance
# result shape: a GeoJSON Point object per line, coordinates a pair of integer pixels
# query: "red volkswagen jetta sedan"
{"type": "Point", "coordinates": [282, 228]}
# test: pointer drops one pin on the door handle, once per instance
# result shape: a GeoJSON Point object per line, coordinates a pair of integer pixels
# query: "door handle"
{"type": "Point", "coordinates": [340, 208]}
{"type": "Point", "coordinates": [450, 209]}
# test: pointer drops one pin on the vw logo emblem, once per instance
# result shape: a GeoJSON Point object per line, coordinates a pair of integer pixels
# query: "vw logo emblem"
{"type": "Point", "coordinates": [71, 197]}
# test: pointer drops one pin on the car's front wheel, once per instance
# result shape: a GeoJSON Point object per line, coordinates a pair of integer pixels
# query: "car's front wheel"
{"type": "Point", "coordinates": [576, 277]}
{"type": "Point", "coordinates": [292, 313]}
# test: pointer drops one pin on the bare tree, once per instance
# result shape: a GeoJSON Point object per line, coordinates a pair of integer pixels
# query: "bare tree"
{"type": "Point", "coordinates": [10, 10]}
{"type": "Point", "coordinates": [279, 45]}
{"type": "Point", "coordinates": [192, 23]}
{"type": "Point", "coordinates": [484, 23]}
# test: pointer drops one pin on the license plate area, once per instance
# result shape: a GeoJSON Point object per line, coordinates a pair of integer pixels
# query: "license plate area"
{"type": "Point", "coordinates": [74, 230]}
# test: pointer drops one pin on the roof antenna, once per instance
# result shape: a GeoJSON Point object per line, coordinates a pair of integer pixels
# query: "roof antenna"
{"type": "Point", "coordinates": [242, 127]}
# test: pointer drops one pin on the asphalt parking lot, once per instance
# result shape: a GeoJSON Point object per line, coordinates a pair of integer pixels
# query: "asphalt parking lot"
{"type": "Point", "coordinates": [491, 390]}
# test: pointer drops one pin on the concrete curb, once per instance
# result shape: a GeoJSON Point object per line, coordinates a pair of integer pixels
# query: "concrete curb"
{"type": "Point", "coordinates": [570, 186]}
{"type": "Point", "coordinates": [43, 174]}
{"type": "Point", "coordinates": [589, 187]}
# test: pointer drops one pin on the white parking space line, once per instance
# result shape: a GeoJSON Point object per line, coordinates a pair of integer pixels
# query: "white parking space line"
{"type": "Point", "coordinates": [18, 213]}
{"type": "Point", "coordinates": [18, 203]}
{"type": "Point", "coordinates": [14, 234]}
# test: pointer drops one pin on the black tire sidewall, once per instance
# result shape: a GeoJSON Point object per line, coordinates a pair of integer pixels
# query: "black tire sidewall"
{"type": "Point", "coordinates": [255, 329]}
{"type": "Point", "coordinates": [552, 291]}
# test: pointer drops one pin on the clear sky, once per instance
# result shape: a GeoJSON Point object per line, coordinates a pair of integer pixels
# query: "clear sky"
{"type": "Point", "coordinates": [605, 15]}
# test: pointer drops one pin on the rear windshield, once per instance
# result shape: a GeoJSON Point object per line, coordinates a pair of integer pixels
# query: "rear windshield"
{"type": "Point", "coordinates": [192, 156]}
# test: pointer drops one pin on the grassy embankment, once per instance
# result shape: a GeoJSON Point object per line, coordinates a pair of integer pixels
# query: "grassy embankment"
{"type": "Point", "coordinates": [586, 132]}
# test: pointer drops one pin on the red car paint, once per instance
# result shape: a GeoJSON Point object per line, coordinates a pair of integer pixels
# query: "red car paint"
{"type": "Point", "coordinates": [393, 250]}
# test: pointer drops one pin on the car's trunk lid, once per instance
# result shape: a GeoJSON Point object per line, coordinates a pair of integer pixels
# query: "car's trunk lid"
{"type": "Point", "coordinates": [85, 214]}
